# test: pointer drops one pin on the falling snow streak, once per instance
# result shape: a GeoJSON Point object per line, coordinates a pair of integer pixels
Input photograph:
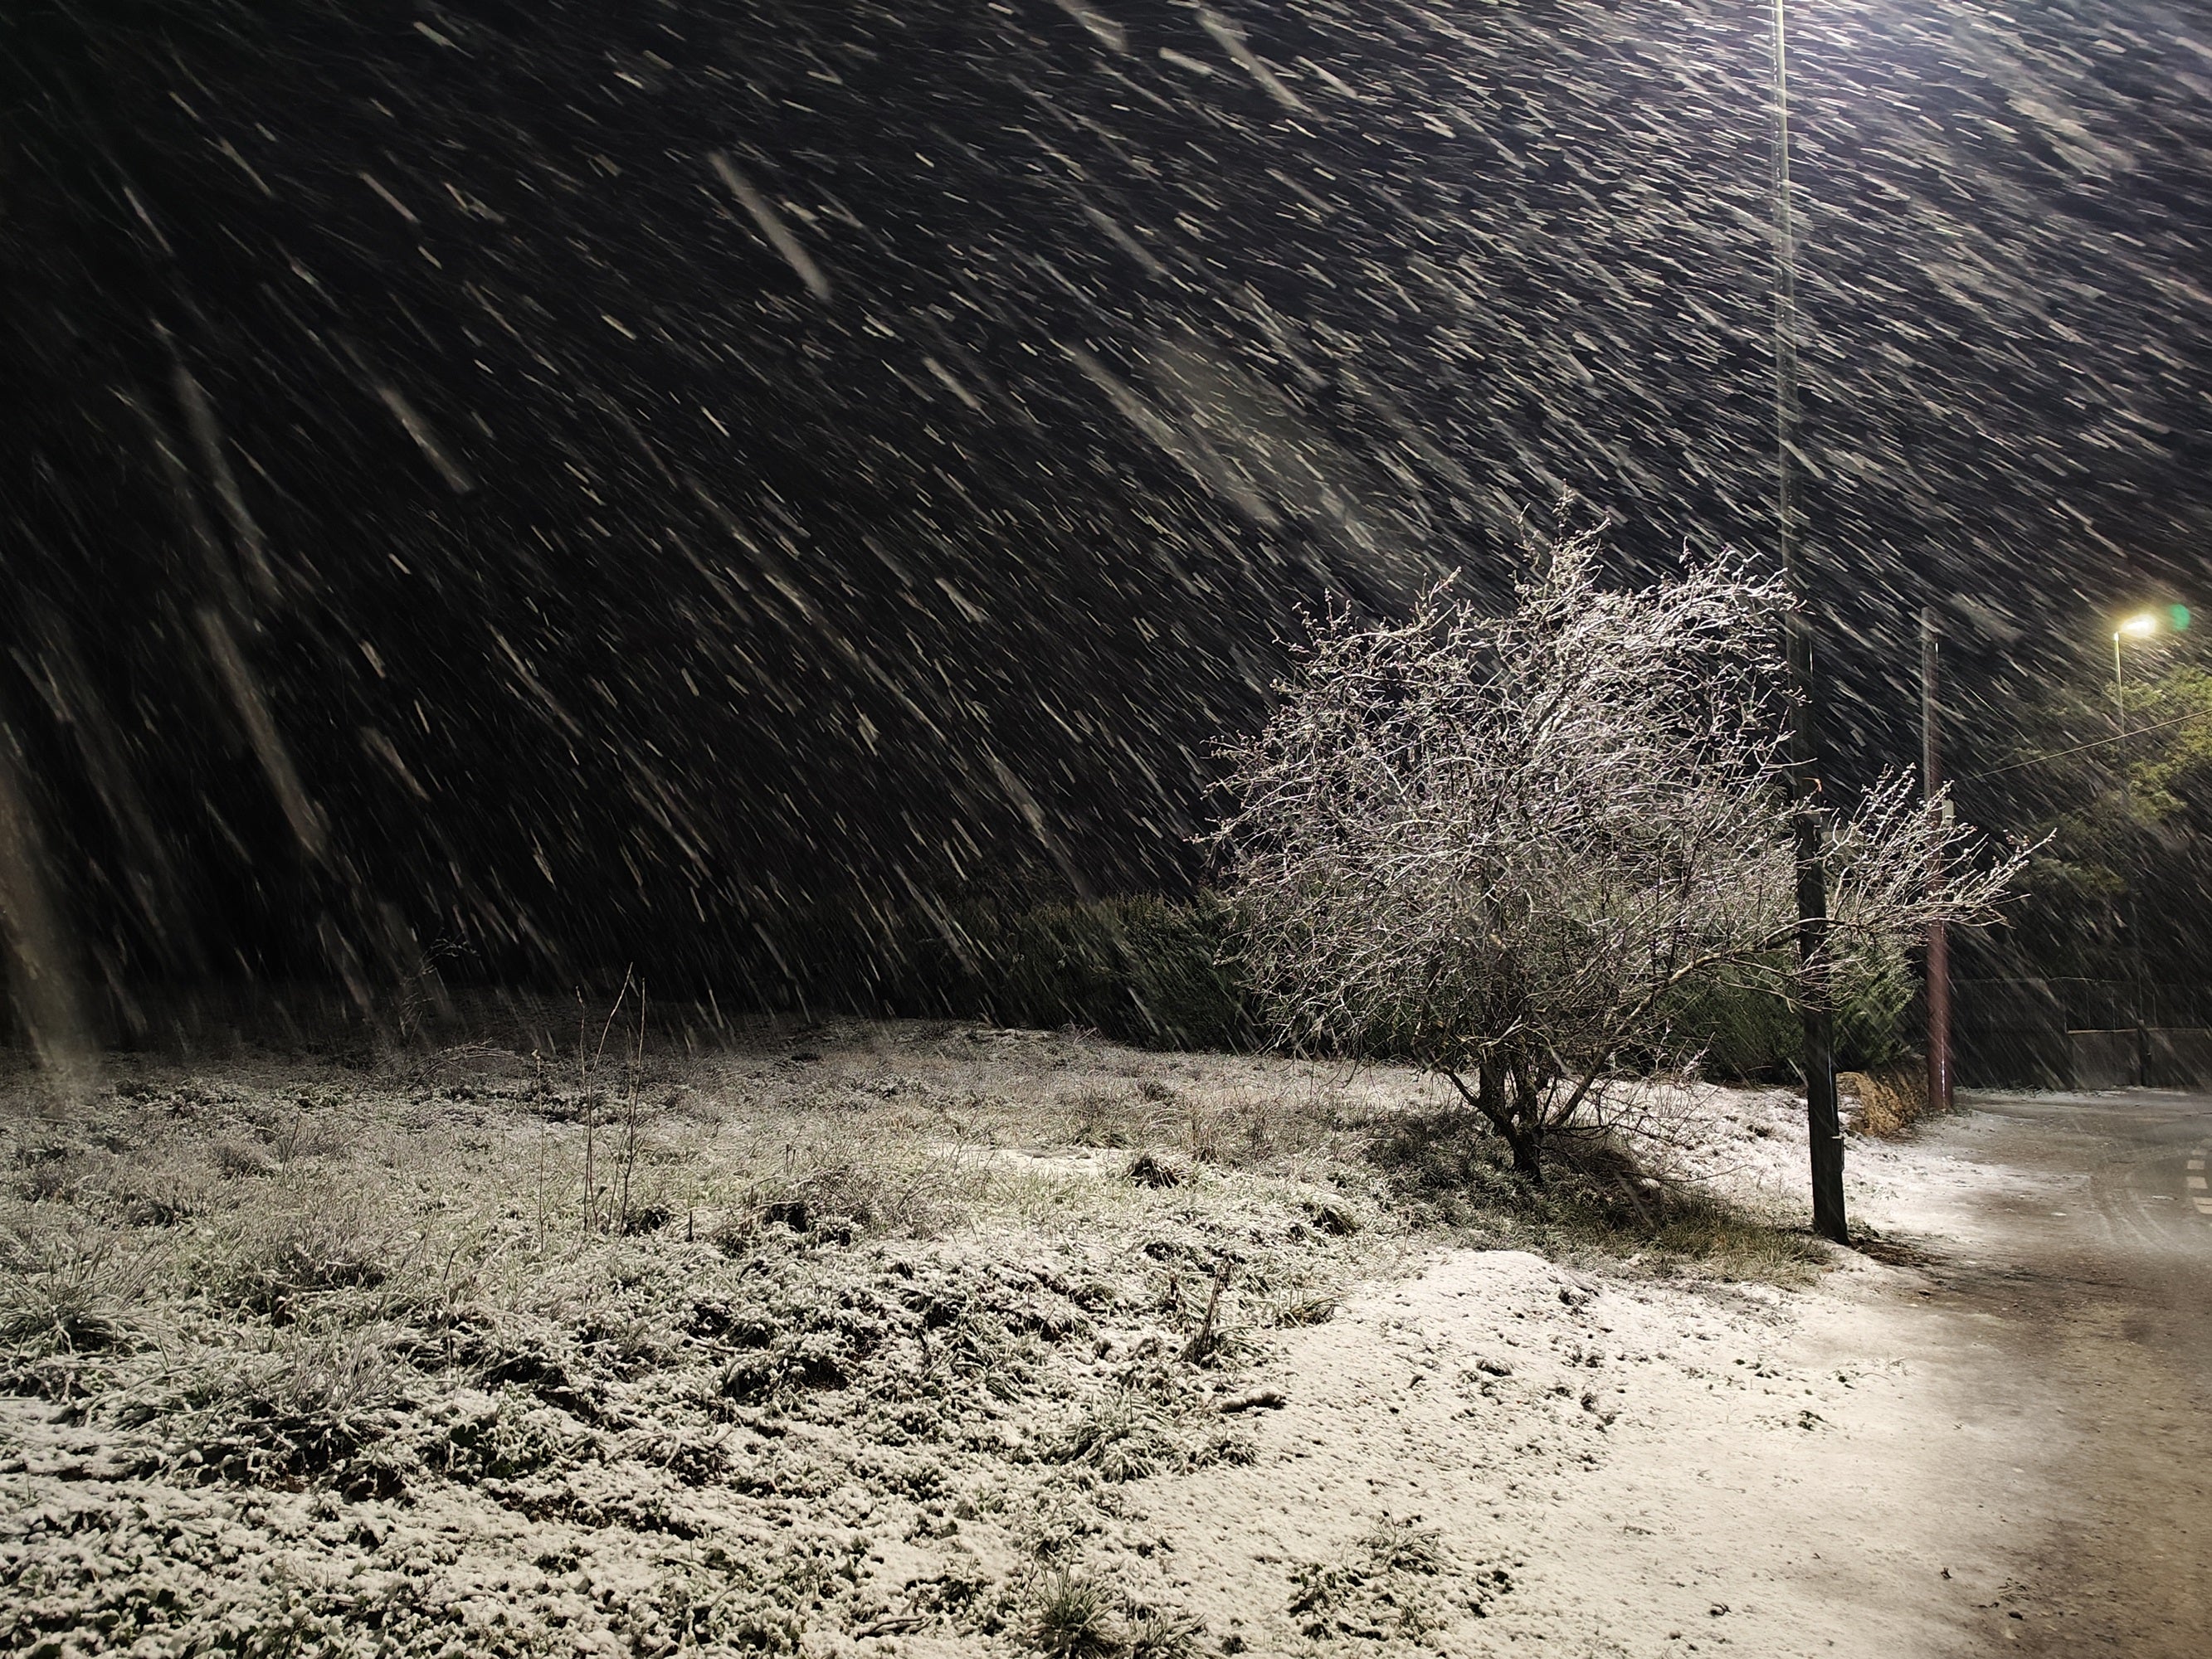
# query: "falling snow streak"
{"type": "Point", "coordinates": [589, 480]}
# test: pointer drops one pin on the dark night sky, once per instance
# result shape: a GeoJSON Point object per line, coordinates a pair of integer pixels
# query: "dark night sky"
{"type": "Point", "coordinates": [434, 503]}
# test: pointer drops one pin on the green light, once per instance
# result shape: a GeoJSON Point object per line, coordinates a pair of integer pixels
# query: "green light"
{"type": "Point", "coordinates": [2178, 617]}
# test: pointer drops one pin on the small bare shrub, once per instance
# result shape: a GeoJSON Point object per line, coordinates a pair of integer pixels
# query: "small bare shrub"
{"type": "Point", "coordinates": [1505, 848]}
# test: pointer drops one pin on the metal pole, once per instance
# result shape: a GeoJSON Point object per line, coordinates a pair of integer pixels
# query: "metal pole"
{"type": "Point", "coordinates": [1939, 944]}
{"type": "Point", "coordinates": [1823, 1122]}
{"type": "Point", "coordinates": [2127, 825]}
{"type": "Point", "coordinates": [2120, 706]}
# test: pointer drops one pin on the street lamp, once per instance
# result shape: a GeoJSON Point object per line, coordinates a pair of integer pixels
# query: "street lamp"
{"type": "Point", "coordinates": [1823, 1122]}
{"type": "Point", "coordinates": [2140, 626]}
{"type": "Point", "coordinates": [1939, 944]}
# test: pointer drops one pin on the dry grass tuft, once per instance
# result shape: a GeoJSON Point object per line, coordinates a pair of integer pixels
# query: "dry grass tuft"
{"type": "Point", "coordinates": [304, 1242]}
{"type": "Point", "coordinates": [1074, 1617]}
{"type": "Point", "coordinates": [1157, 1170]}
{"type": "Point", "coordinates": [1125, 1437]}
{"type": "Point", "coordinates": [1890, 1099]}
{"type": "Point", "coordinates": [64, 1289]}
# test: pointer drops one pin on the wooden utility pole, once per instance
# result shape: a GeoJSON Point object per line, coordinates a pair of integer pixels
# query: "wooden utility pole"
{"type": "Point", "coordinates": [1824, 1124]}
{"type": "Point", "coordinates": [1939, 944]}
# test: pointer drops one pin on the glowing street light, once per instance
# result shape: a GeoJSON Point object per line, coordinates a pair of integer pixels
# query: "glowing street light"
{"type": "Point", "coordinates": [2140, 626]}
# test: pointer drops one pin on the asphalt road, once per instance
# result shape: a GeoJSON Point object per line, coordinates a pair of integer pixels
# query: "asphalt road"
{"type": "Point", "coordinates": [2079, 1301]}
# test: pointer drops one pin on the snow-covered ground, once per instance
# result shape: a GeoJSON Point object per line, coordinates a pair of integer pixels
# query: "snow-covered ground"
{"type": "Point", "coordinates": [926, 1340]}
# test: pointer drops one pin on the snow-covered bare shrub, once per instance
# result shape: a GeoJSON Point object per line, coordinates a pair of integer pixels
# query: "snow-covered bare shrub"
{"type": "Point", "coordinates": [1505, 847]}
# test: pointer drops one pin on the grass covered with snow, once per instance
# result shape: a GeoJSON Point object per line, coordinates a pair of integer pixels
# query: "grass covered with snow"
{"type": "Point", "coordinates": [865, 1339]}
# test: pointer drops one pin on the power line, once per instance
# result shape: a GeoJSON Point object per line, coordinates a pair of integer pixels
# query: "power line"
{"type": "Point", "coordinates": [2101, 743]}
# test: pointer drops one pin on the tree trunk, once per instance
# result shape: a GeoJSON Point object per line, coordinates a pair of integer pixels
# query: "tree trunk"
{"type": "Point", "coordinates": [1489, 1098]}
{"type": "Point", "coordinates": [1524, 1155]}
{"type": "Point", "coordinates": [1515, 1116]}
{"type": "Point", "coordinates": [1530, 1094]}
